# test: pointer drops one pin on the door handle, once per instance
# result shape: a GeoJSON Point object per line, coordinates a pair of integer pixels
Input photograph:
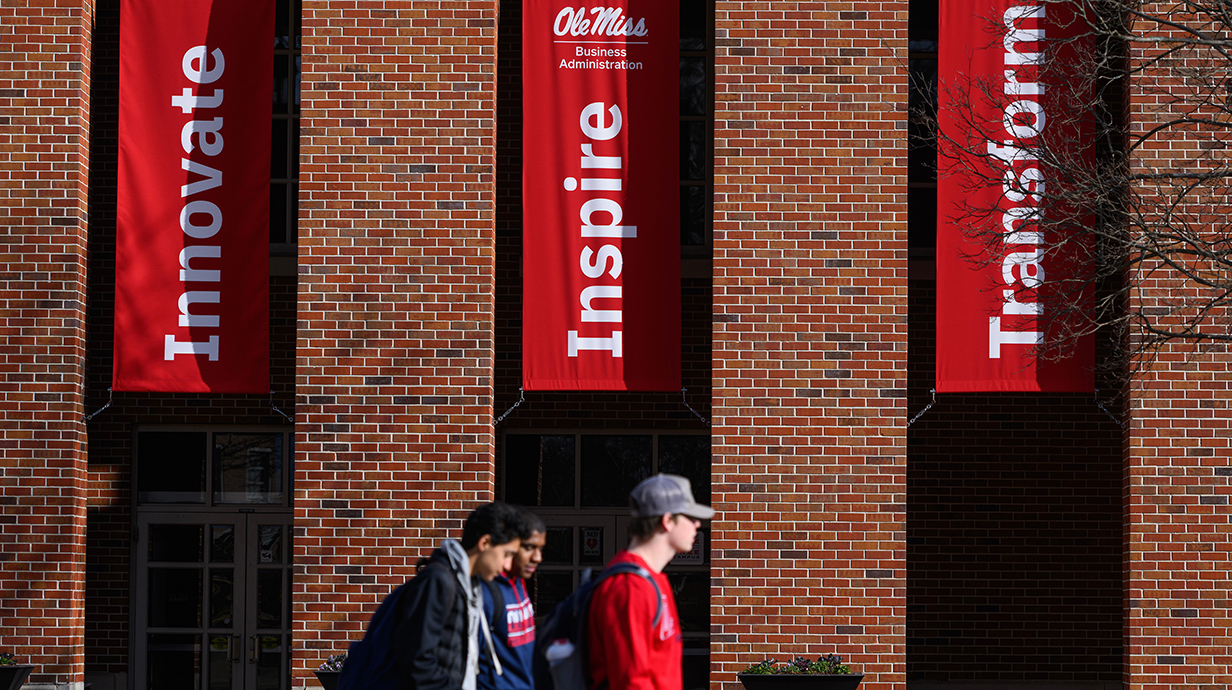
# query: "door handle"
{"type": "Point", "coordinates": [252, 649]}
{"type": "Point", "coordinates": [233, 653]}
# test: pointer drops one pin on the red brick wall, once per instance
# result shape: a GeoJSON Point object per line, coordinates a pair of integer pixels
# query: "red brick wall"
{"type": "Point", "coordinates": [1013, 530]}
{"type": "Point", "coordinates": [395, 349]}
{"type": "Point", "coordinates": [44, 167]}
{"type": "Point", "coordinates": [810, 332]}
{"type": "Point", "coordinates": [1178, 563]}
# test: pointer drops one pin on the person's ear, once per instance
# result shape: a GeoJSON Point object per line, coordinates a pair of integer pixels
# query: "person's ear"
{"type": "Point", "coordinates": [665, 522]}
{"type": "Point", "coordinates": [484, 543]}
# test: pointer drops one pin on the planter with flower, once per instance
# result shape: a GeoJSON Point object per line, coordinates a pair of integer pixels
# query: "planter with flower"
{"type": "Point", "coordinates": [12, 674]}
{"type": "Point", "coordinates": [826, 673]}
{"type": "Point", "coordinates": [328, 672]}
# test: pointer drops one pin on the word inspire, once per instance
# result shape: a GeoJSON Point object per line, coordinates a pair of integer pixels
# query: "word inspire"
{"type": "Point", "coordinates": [200, 219]}
{"type": "Point", "coordinates": [608, 258]}
{"type": "Point", "coordinates": [1023, 181]}
{"type": "Point", "coordinates": [606, 21]}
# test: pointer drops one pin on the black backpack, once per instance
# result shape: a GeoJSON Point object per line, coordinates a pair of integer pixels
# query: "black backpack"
{"type": "Point", "coordinates": [371, 661]}
{"type": "Point", "coordinates": [560, 644]}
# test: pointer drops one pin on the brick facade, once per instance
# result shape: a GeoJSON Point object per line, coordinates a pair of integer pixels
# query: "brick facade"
{"type": "Point", "coordinates": [810, 336]}
{"type": "Point", "coordinates": [396, 261]}
{"type": "Point", "coordinates": [1178, 568]}
{"type": "Point", "coordinates": [45, 63]}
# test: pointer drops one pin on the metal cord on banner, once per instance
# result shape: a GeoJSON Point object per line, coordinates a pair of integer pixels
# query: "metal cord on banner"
{"type": "Point", "coordinates": [521, 399]}
{"type": "Point", "coordinates": [927, 407]}
{"type": "Point", "coordinates": [1107, 411]}
{"type": "Point", "coordinates": [88, 417]}
{"type": "Point", "coordinates": [284, 414]}
{"type": "Point", "coordinates": [685, 400]}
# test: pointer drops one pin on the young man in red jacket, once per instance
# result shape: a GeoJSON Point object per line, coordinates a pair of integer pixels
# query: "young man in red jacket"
{"type": "Point", "coordinates": [626, 650]}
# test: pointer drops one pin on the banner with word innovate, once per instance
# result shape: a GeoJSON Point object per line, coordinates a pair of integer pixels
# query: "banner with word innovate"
{"type": "Point", "coordinates": [192, 235]}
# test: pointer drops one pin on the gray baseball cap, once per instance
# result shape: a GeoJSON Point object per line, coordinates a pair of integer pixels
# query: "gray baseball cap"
{"type": "Point", "coordinates": [666, 493]}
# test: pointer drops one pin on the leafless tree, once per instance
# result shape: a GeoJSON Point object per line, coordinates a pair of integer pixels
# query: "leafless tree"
{"type": "Point", "coordinates": [1136, 213]}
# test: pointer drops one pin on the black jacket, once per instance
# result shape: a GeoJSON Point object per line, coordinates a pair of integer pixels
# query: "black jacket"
{"type": "Point", "coordinates": [430, 637]}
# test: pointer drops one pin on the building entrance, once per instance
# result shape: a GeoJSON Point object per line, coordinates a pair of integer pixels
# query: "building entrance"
{"type": "Point", "coordinates": [579, 483]}
{"type": "Point", "coordinates": [212, 560]}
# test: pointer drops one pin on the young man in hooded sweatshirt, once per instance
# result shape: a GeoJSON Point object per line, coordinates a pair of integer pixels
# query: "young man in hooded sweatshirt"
{"type": "Point", "coordinates": [440, 612]}
{"type": "Point", "coordinates": [513, 633]}
{"type": "Point", "coordinates": [627, 651]}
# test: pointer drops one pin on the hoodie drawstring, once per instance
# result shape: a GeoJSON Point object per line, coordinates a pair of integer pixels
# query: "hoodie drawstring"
{"type": "Point", "coordinates": [487, 635]}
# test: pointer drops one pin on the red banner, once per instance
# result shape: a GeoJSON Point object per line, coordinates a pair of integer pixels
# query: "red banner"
{"type": "Point", "coordinates": [601, 195]}
{"type": "Point", "coordinates": [1005, 91]}
{"type": "Point", "coordinates": [192, 246]}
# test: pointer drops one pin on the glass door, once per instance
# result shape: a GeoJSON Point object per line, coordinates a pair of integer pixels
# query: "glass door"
{"type": "Point", "coordinates": [211, 601]}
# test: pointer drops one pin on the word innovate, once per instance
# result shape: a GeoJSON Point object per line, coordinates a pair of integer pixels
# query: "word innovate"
{"type": "Point", "coordinates": [200, 219]}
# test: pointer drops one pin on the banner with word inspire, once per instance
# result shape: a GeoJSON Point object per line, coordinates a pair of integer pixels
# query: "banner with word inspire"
{"type": "Point", "coordinates": [601, 195]}
{"type": "Point", "coordinates": [192, 245]}
{"type": "Point", "coordinates": [1003, 92]}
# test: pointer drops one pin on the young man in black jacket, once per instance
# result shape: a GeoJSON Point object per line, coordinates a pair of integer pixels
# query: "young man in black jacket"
{"type": "Point", "coordinates": [437, 617]}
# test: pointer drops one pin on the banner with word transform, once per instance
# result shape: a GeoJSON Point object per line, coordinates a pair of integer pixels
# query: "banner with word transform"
{"type": "Point", "coordinates": [601, 195]}
{"type": "Point", "coordinates": [1007, 93]}
{"type": "Point", "coordinates": [192, 235]}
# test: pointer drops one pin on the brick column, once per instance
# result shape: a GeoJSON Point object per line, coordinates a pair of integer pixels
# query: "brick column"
{"type": "Point", "coordinates": [810, 283]}
{"type": "Point", "coordinates": [1177, 555]}
{"type": "Point", "coordinates": [44, 168]}
{"type": "Point", "coordinates": [396, 246]}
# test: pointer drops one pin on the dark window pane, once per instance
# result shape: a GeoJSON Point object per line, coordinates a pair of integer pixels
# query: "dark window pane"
{"type": "Point", "coordinates": [220, 662]}
{"type": "Point", "coordinates": [539, 470]}
{"type": "Point", "coordinates": [173, 662]}
{"type": "Point", "coordinates": [248, 468]}
{"type": "Point", "coordinates": [550, 590]}
{"type": "Point", "coordinates": [278, 148]}
{"type": "Point", "coordinates": [176, 543]}
{"type": "Point", "coordinates": [696, 670]}
{"type": "Point", "coordinates": [278, 213]}
{"type": "Point", "coordinates": [692, 25]}
{"type": "Point", "coordinates": [693, 150]}
{"type": "Point", "coordinates": [611, 467]}
{"type": "Point", "coordinates": [922, 25]}
{"type": "Point", "coordinates": [269, 598]}
{"type": "Point", "coordinates": [692, 216]}
{"type": "Point", "coordinates": [222, 544]}
{"type": "Point", "coordinates": [590, 546]}
{"type": "Point", "coordinates": [922, 217]}
{"type": "Point", "coordinates": [692, 592]}
{"type": "Point", "coordinates": [558, 547]}
{"type": "Point", "coordinates": [171, 467]}
{"type": "Point", "coordinates": [270, 662]}
{"type": "Point", "coordinates": [222, 597]}
{"type": "Point", "coordinates": [282, 31]}
{"type": "Point", "coordinates": [689, 457]}
{"type": "Point", "coordinates": [270, 550]}
{"type": "Point", "coordinates": [692, 86]}
{"type": "Point", "coordinates": [282, 83]}
{"type": "Point", "coordinates": [295, 148]}
{"type": "Point", "coordinates": [921, 101]}
{"type": "Point", "coordinates": [175, 598]}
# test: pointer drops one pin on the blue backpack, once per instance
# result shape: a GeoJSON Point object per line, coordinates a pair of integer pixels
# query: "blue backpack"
{"type": "Point", "coordinates": [371, 663]}
{"type": "Point", "coordinates": [560, 644]}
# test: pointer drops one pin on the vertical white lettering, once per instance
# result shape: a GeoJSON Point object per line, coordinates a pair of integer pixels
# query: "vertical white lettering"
{"type": "Point", "coordinates": [173, 347]}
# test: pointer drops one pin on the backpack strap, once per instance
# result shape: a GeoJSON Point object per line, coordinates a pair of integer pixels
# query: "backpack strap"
{"type": "Point", "coordinates": [635, 569]}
